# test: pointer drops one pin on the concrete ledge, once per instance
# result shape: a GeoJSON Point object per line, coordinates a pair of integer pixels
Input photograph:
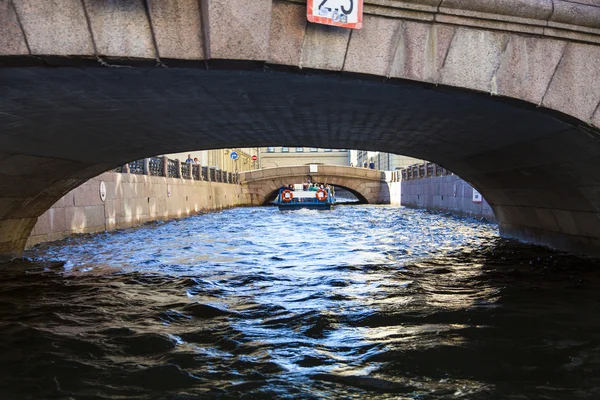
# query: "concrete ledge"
{"type": "Point", "coordinates": [522, 11]}
{"type": "Point", "coordinates": [538, 17]}
{"type": "Point", "coordinates": [575, 16]}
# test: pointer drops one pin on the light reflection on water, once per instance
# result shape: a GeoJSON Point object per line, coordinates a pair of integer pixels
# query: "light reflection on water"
{"type": "Point", "coordinates": [360, 302]}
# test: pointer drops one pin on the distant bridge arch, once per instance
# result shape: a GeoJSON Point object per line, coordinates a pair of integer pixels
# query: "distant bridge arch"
{"type": "Point", "coordinates": [368, 185]}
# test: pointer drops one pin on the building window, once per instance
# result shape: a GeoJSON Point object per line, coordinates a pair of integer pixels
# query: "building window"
{"type": "Point", "coordinates": [299, 149]}
{"type": "Point", "coordinates": [313, 149]}
{"type": "Point", "coordinates": [327, 150]}
{"type": "Point", "coordinates": [285, 149]}
{"type": "Point", "coordinates": [342, 150]}
{"type": "Point", "coordinates": [270, 149]}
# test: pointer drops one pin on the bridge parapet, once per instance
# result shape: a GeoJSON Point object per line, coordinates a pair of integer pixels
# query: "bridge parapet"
{"type": "Point", "coordinates": [195, 30]}
{"type": "Point", "coordinates": [553, 18]}
{"type": "Point", "coordinates": [303, 171]}
{"type": "Point", "coordinates": [420, 171]}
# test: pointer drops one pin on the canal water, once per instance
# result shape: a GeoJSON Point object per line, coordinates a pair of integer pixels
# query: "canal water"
{"type": "Point", "coordinates": [365, 302]}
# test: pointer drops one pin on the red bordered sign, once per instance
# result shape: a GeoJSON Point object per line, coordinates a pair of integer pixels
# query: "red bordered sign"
{"type": "Point", "coordinates": [343, 13]}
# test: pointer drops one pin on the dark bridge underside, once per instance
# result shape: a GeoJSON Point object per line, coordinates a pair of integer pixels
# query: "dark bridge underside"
{"type": "Point", "coordinates": [61, 126]}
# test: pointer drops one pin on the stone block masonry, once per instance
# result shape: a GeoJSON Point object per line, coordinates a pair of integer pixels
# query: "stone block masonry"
{"type": "Point", "coordinates": [131, 200]}
{"type": "Point", "coordinates": [446, 192]}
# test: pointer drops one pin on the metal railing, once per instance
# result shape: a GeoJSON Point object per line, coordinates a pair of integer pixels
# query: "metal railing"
{"type": "Point", "coordinates": [173, 170]}
{"type": "Point", "coordinates": [162, 166]}
{"type": "Point", "coordinates": [196, 172]}
{"type": "Point", "coordinates": [156, 166]}
{"type": "Point", "coordinates": [419, 171]}
{"type": "Point", "coordinates": [136, 167]}
{"type": "Point", "coordinates": [185, 170]}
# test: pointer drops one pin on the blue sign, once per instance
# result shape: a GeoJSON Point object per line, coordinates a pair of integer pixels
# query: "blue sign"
{"type": "Point", "coordinates": [233, 155]}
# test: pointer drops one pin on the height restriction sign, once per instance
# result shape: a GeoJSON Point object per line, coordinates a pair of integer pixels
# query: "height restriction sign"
{"type": "Point", "coordinates": [344, 13]}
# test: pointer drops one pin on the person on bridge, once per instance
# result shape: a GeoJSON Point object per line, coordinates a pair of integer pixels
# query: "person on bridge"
{"type": "Point", "coordinates": [189, 159]}
{"type": "Point", "coordinates": [372, 164]}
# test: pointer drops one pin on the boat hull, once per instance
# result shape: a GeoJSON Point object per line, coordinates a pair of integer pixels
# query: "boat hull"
{"type": "Point", "coordinates": [306, 206]}
{"type": "Point", "coordinates": [288, 199]}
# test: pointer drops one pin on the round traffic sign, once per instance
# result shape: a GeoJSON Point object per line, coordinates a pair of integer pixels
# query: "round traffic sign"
{"type": "Point", "coordinates": [233, 155]}
{"type": "Point", "coordinates": [254, 158]}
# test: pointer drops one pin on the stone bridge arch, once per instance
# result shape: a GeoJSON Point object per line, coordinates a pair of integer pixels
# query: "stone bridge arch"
{"type": "Point", "coordinates": [505, 94]}
{"type": "Point", "coordinates": [368, 185]}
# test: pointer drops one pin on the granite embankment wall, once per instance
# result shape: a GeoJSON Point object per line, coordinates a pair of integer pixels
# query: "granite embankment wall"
{"type": "Point", "coordinates": [131, 200]}
{"type": "Point", "coordinates": [433, 188]}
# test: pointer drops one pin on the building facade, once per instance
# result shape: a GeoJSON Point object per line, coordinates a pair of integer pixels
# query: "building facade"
{"type": "Point", "coordinates": [384, 161]}
{"type": "Point", "coordinates": [272, 157]}
{"type": "Point", "coordinates": [221, 158]}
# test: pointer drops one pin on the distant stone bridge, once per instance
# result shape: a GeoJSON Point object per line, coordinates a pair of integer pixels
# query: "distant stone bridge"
{"type": "Point", "coordinates": [368, 185]}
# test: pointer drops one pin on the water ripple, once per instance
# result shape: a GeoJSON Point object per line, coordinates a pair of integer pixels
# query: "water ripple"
{"type": "Point", "coordinates": [366, 302]}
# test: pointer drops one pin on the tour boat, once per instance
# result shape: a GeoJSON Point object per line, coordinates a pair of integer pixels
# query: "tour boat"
{"type": "Point", "coordinates": [320, 199]}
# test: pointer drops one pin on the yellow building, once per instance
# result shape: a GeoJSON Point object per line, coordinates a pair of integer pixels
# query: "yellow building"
{"type": "Point", "coordinates": [286, 156]}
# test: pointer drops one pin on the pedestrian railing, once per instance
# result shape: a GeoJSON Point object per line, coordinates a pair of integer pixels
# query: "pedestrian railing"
{"type": "Point", "coordinates": [136, 167]}
{"type": "Point", "coordinates": [419, 171]}
{"type": "Point", "coordinates": [186, 171]}
{"type": "Point", "coordinates": [196, 171]}
{"type": "Point", "coordinates": [157, 166]}
{"type": "Point", "coordinates": [163, 166]}
{"type": "Point", "coordinates": [173, 169]}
